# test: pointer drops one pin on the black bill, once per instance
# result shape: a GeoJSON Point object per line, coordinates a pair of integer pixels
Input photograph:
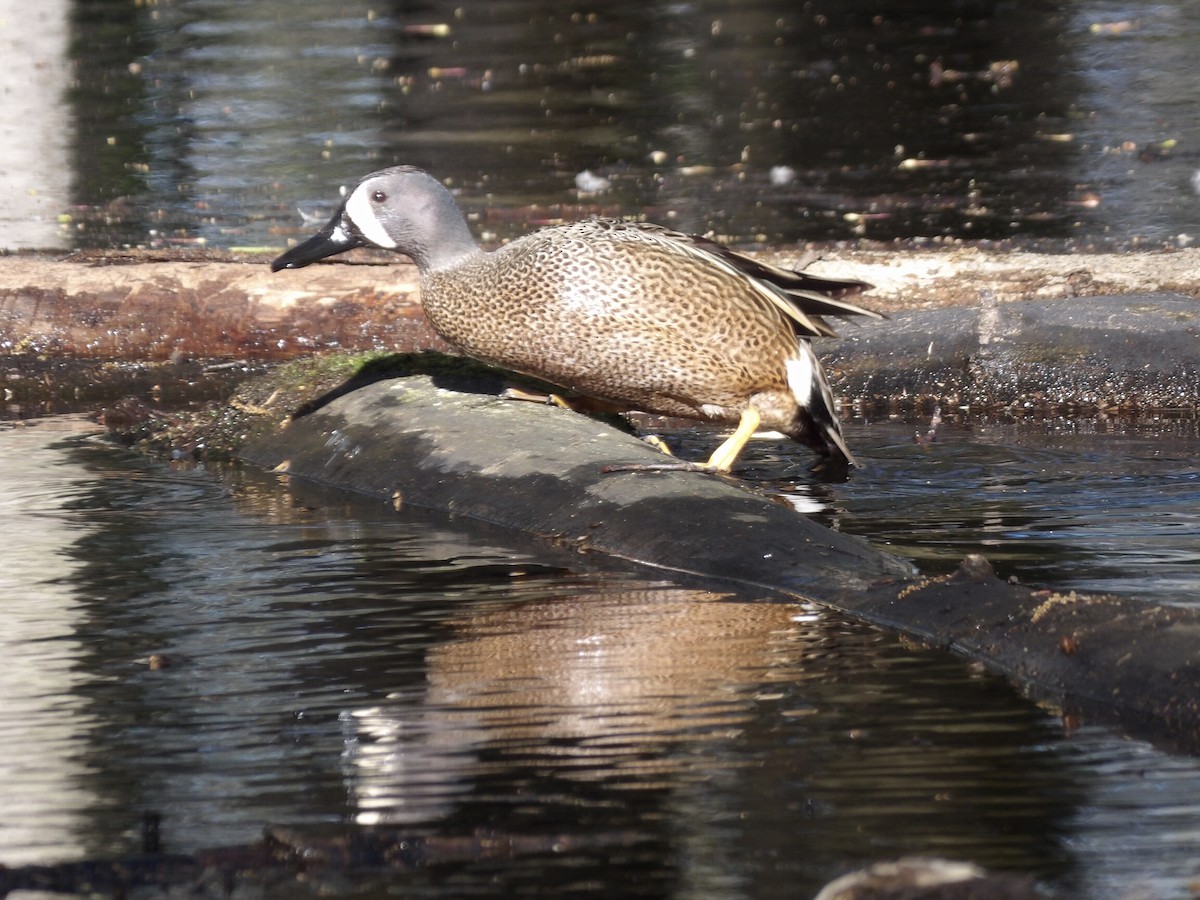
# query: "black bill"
{"type": "Point", "coordinates": [336, 237]}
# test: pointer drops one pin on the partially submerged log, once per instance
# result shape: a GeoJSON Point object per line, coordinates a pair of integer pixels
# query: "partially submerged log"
{"type": "Point", "coordinates": [1080, 355]}
{"type": "Point", "coordinates": [1002, 348]}
{"type": "Point", "coordinates": [1093, 657]}
{"type": "Point", "coordinates": [447, 442]}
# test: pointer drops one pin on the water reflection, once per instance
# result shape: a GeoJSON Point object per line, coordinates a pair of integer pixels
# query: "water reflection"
{"type": "Point", "coordinates": [318, 660]}
{"type": "Point", "coordinates": [212, 121]}
{"type": "Point", "coordinates": [1124, 805]}
{"type": "Point", "coordinates": [35, 123]}
{"type": "Point", "coordinates": [747, 731]}
{"type": "Point", "coordinates": [608, 682]}
{"type": "Point", "coordinates": [44, 776]}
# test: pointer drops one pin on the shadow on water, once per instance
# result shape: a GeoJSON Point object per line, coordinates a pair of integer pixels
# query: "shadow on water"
{"type": "Point", "coordinates": [767, 121]}
{"type": "Point", "coordinates": [233, 651]}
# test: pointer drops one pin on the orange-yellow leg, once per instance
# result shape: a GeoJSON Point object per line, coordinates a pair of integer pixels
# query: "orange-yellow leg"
{"type": "Point", "coordinates": [516, 393]}
{"type": "Point", "coordinates": [724, 456]}
{"type": "Point", "coordinates": [658, 444]}
{"type": "Point", "coordinates": [580, 404]}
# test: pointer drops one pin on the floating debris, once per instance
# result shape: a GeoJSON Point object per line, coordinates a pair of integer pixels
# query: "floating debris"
{"type": "Point", "coordinates": [1122, 27]}
{"type": "Point", "coordinates": [1087, 200]}
{"type": "Point", "coordinates": [913, 163]}
{"type": "Point", "coordinates": [935, 422]}
{"type": "Point", "coordinates": [317, 218]}
{"type": "Point", "coordinates": [1001, 73]}
{"type": "Point", "coordinates": [437, 30]}
{"type": "Point", "coordinates": [1158, 151]}
{"type": "Point", "coordinates": [927, 877]}
{"type": "Point", "coordinates": [588, 182]}
{"type": "Point", "coordinates": [782, 175]}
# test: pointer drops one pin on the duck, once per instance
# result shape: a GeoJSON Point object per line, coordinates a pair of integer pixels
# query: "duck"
{"type": "Point", "coordinates": [633, 315]}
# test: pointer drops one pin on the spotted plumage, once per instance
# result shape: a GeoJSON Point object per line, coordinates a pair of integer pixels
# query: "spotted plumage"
{"type": "Point", "coordinates": [635, 315]}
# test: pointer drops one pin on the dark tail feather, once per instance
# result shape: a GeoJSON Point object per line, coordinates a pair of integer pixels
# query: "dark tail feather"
{"type": "Point", "coordinates": [813, 295]}
{"type": "Point", "coordinates": [819, 426]}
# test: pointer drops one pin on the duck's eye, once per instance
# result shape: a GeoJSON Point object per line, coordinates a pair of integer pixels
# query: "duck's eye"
{"type": "Point", "coordinates": [378, 196]}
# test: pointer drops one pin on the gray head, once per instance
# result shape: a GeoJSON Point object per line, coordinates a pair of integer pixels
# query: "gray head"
{"type": "Point", "coordinates": [402, 209]}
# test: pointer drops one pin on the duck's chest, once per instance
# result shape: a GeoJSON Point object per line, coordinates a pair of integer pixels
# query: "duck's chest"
{"type": "Point", "coordinates": [510, 304]}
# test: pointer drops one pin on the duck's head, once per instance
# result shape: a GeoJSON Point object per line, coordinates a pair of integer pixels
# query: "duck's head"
{"type": "Point", "coordinates": [402, 209]}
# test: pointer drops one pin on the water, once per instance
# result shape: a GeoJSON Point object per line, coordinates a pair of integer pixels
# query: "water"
{"type": "Point", "coordinates": [184, 122]}
{"type": "Point", "coordinates": [1094, 505]}
{"type": "Point", "coordinates": [1101, 505]}
{"type": "Point", "coordinates": [231, 651]}
{"type": "Point", "coordinates": [325, 661]}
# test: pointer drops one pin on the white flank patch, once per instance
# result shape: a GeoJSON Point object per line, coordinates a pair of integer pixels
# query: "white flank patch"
{"type": "Point", "coordinates": [800, 377]}
{"type": "Point", "coordinates": [361, 212]}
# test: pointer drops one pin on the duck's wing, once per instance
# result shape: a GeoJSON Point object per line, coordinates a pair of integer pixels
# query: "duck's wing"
{"type": "Point", "coordinates": [805, 299]}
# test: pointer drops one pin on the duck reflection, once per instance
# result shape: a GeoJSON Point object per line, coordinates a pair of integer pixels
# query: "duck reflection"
{"type": "Point", "coordinates": [597, 685]}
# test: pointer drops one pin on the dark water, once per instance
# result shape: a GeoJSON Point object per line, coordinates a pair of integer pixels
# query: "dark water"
{"type": "Point", "coordinates": [187, 121]}
{"type": "Point", "coordinates": [330, 662]}
{"type": "Point", "coordinates": [1106, 506]}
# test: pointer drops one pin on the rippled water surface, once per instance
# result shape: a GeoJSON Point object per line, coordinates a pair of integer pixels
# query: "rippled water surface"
{"type": "Point", "coordinates": [228, 650]}
{"type": "Point", "coordinates": [1091, 505]}
{"type": "Point", "coordinates": [231, 650]}
{"type": "Point", "coordinates": [181, 122]}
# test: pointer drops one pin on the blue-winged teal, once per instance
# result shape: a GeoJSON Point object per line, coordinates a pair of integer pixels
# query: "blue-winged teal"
{"type": "Point", "coordinates": [637, 316]}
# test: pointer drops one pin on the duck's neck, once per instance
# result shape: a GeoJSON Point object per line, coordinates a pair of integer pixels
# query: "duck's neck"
{"type": "Point", "coordinates": [449, 242]}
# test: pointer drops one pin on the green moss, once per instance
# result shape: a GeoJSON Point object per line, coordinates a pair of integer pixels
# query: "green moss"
{"type": "Point", "coordinates": [267, 402]}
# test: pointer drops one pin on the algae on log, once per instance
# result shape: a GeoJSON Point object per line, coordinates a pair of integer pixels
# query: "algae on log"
{"type": "Point", "coordinates": [447, 442]}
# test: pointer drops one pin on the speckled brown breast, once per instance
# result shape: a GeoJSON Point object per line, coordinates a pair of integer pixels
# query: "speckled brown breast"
{"type": "Point", "coordinates": [619, 315]}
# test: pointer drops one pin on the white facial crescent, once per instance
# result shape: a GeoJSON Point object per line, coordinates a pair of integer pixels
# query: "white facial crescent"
{"type": "Point", "coordinates": [362, 212]}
